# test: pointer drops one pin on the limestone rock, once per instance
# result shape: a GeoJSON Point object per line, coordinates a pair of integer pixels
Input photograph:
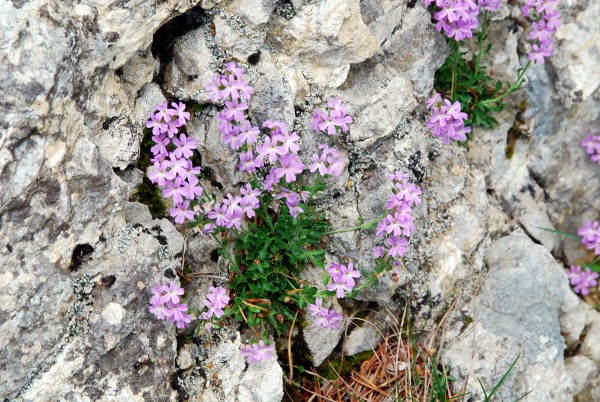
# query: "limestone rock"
{"type": "Point", "coordinates": [191, 68]}
{"type": "Point", "coordinates": [325, 38]}
{"type": "Point", "coordinates": [509, 321]}
{"type": "Point", "coordinates": [577, 55]}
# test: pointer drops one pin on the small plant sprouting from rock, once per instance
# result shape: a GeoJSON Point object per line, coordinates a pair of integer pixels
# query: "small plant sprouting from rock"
{"type": "Point", "coordinates": [465, 81]}
{"type": "Point", "coordinates": [272, 229]}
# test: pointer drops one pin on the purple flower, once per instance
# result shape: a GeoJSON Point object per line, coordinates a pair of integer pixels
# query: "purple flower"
{"type": "Point", "coordinates": [156, 124]}
{"type": "Point", "coordinates": [591, 144]}
{"type": "Point", "coordinates": [248, 134]}
{"type": "Point", "coordinates": [159, 173]}
{"type": "Point", "coordinates": [179, 111]}
{"type": "Point", "coordinates": [447, 121]}
{"type": "Point", "coordinates": [171, 293]}
{"type": "Point", "coordinates": [233, 203]}
{"type": "Point", "coordinates": [378, 252]}
{"type": "Point", "coordinates": [250, 196]}
{"type": "Point", "coordinates": [290, 167]}
{"type": "Point", "coordinates": [181, 212]}
{"type": "Point", "coordinates": [247, 162]}
{"type": "Point", "coordinates": [160, 311]}
{"type": "Point", "coordinates": [217, 297]}
{"type": "Point", "coordinates": [255, 353]}
{"type": "Point", "coordinates": [288, 142]}
{"type": "Point", "coordinates": [179, 317]}
{"type": "Point", "coordinates": [335, 271]}
{"type": "Point", "coordinates": [184, 145]}
{"type": "Point", "coordinates": [334, 319]}
{"type": "Point", "coordinates": [319, 163]}
{"type": "Point", "coordinates": [329, 121]}
{"type": "Point", "coordinates": [163, 112]}
{"type": "Point", "coordinates": [397, 246]}
{"type": "Point", "coordinates": [590, 233]}
{"type": "Point", "coordinates": [234, 69]}
{"type": "Point", "coordinates": [219, 214]}
{"type": "Point", "coordinates": [582, 280]}
{"type": "Point", "coordinates": [214, 88]}
{"type": "Point", "coordinates": [158, 292]}
{"type": "Point", "coordinates": [179, 165]}
{"type": "Point", "coordinates": [348, 274]}
{"type": "Point", "coordinates": [177, 190]}
{"type": "Point", "coordinates": [317, 308]}
{"type": "Point", "coordinates": [160, 144]}
{"type": "Point", "coordinates": [234, 218]}
{"type": "Point", "coordinates": [336, 166]}
{"type": "Point", "coordinates": [194, 189]}
{"type": "Point", "coordinates": [270, 180]}
{"type": "Point", "coordinates": [340, 288]}
{"type": "Point", "coordinates": [271, 149]}
{"type": "Point", "coordinates": [546, 20]}
{"type": "Point", "coordinates": [317, 119]}
{"type": "Point", "coordinates": [235, 110]}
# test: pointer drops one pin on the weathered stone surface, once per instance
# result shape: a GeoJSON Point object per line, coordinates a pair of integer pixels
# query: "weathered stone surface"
{"type": "Point", "coordinates": [525, 287]}
{"type": "Point", "coordinates": [192, 67]}
{"type": "Point", "coordinates": [226, 376]}
{"type": "Point", "coordinates": [324, 38]}
{"type": "Point", "coordinates": [61, 201]}
{"type": "Point", "coordinates": [79, 260]}
{"type": "Point", "coordinates": [236, 37]}
{"type": "Point", "coordinates": [576, 56]}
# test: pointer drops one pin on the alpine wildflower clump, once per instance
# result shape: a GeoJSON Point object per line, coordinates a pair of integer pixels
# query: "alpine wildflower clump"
{"type": "Point", "coordinates": [447, 121]}
{"type": "Point", "coordinates": [464, 77]}
{"type": "Point", "coordinates": [582, 280]}
{"type": "Point", "coordinates": [545, 18]}
{"type": "Point", "coordinates": [271, 229]}
{"type": "Point", "coordinates": [166, 304]}
{"type": "Point", "coordinates": [591, 144]}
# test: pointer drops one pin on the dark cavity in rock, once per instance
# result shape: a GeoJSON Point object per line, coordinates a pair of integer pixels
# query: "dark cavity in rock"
{"type": "Point", "coordinates": [81, 252]}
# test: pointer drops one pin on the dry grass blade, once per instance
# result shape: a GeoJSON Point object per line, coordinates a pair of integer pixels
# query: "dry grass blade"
{"type": "Point", "coordinates": [399, 370]}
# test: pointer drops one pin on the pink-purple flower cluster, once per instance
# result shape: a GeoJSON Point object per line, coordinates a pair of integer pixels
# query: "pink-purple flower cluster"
{"type": "Point", "coordinates": [458, 18]}
{"type": "Point", "coordinates": [582, 280]}
{"type": "Point", "coordinates": [277, 150]}
{"type": "Point", "coordinates": [343, 278]}
{"type": "Point", "coordinates": [229, 213]}
{"type": "Point", "coordinates": [324, 318]}
{"type": "Point", "coordinates": [172, 169]}
{"type": "Point", "coordinates": [591, 144]}
{"type": "Point", "coordinates": [257, 352]}
{"type": "Point", "coordinates": [590, 236]}
{"type": "Point", "coordinates": [333, 120]}
{"type": "Point", "coordinates": [447, 121]}
{"type": "Point", "coordinates": [166, 304]}
{"type": "Point", "coordinates": [216, 300]}
{"type": "Point", "coordinates": [546, 20]}
{"type": "Point", "coordinates": [329, 162]}
{"type": "Point", "coordinates": [398, 224]}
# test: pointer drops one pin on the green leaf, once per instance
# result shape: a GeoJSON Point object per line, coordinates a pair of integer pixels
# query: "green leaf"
{"type": "Point", "coordinates": [564, 234]}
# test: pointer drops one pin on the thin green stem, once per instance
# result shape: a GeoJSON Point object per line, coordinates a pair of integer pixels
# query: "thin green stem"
{"type": "Point", "coordinates": [365, 226]}
{"type": "Point", "coordinates": [456, 50]}
{"type": "Point", "coordinates": [513, 88]}
{"type": "Point", "coordinates": [266, 216]}
{"type": "Point", "coordinates": [224, 248]}
{"type": "Point", "coordinates": [481, 37]}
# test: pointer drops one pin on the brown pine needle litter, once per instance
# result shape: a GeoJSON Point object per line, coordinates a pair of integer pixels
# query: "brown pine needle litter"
{"type": "Point", "coordinates": [402, 368]}
{"type": "Point", "coordinates": [394, 373]}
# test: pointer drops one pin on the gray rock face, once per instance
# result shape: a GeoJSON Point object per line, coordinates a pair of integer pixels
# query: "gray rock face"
{"type": "Point", "coordinates": [79, 260]}
{"type": "Point", "coordinates": [226, 376]}
{"type": "Point", "coordinates": [61, 202]}
{"type": "Point", "coordinates": [192, 67]}
{"type": "Point", "coordinates": [524, 288]}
